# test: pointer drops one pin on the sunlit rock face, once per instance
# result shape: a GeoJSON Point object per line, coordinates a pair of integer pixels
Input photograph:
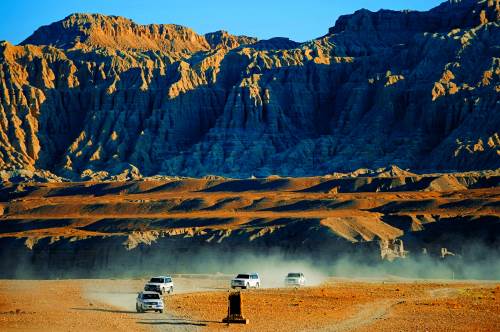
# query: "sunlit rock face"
{"type": "Point", "coordinates": [95, 94]}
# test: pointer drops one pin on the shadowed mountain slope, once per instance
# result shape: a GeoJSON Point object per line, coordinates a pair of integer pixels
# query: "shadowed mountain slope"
{"type": "Point", "coordinates": [92, 96]}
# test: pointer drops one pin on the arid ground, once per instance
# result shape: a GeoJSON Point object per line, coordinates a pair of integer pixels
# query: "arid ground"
{"type": "Point", "coordinates": [201, 302]}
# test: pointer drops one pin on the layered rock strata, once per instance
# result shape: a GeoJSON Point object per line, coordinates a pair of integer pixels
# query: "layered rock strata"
{"type": "Point", "coordinates": [94, 94]}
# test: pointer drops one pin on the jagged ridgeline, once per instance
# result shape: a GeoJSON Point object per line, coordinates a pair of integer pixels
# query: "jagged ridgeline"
{"type": "Point", "coordinates": [92, 95]}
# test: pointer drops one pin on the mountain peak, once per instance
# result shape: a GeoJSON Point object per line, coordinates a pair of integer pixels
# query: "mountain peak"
{"type": "Point", "coordinates": [90, 31]}
{"type": "Point", "coordinates": [116, 32]}
{"type": "Point", "coordinates": [391, 87]}
{"type": "Point", "coordinates": [225, 39]}
{"type": "Point", "coordinates": [445, 17]}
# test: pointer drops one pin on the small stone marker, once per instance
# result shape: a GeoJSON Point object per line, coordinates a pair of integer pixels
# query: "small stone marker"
{"type": "Point", "coordinates": [234, 310]}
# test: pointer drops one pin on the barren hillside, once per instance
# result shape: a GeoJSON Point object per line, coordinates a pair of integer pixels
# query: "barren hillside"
{"type": "Point", "coordinates": [214, 225]}
{"type": "Point", "coordinates": [92, 96]}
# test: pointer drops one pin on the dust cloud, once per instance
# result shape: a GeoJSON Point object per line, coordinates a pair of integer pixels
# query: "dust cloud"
{"type": "Point", "coordinates": [213, 272]}
{"type": "Point", "coordinates": [273, 269]}
{"type": "Point", "coordinates": [474, 261]}
{"type": "Point", "coordinates": [119, 294]}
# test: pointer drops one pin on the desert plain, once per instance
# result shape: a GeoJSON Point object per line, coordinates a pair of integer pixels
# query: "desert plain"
{"type": "Point", "coordinates": [200, 303]}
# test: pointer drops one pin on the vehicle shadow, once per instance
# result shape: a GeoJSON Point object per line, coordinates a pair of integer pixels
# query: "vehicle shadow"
{"type": "Point", "coordinates": [167, 322]}
{"type": "Point", "coordinates": [176, 321]}
{"type": "Point", "coordinates": [107, 310]}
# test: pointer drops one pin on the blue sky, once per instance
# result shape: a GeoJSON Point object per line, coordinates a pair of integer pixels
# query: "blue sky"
{"type": "Point", "coordinates": [297, 19]}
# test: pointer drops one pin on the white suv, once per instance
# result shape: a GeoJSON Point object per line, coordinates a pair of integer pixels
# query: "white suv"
{"type": "Point", "coordinates": [246, 280]}
{"type": "Point", "coordinates": [162, 285]}
{"type": "Point", "coordinates": [295, 279]}
{"type": "Point", "coordinates": [149, 301]}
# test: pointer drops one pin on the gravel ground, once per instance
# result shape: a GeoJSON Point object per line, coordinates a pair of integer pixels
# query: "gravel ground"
{"type": "Point", "coordinates": [199, 303]}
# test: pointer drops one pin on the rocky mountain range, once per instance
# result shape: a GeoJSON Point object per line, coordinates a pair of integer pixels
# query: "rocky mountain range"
{"type": "Point", "coordinates": [93, 96]}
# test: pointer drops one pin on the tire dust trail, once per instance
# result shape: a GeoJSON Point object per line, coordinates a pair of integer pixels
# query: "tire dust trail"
{"type": "Point", "coordinates": [125, 303]}
{"type": "Point", "coordinates": [121, 298]}
{"type": "Point", "coordinates": [440, 293]}
{"type": "Point", "coordinates": [373, 311]}
{"type": "Point", "coordinates": [367, 314]}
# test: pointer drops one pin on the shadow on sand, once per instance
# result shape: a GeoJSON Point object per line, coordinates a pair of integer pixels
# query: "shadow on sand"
{"type": "Point", "coordinates": [168, 322]}
{"type": "Point", "coordinates": [108, 310]}
{"type": "Point", "coordinates": [154, 321]}
{"type": "Point", "coordinates": [177, 321]}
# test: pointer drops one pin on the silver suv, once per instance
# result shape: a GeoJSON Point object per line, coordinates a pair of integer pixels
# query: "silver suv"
{"type": "Point", "coordinates": [161, 284]}
{"type": "Point", "coordinates": [295, 279]}
{"type": "Point", "coordinates": [149, 301]}
{"type": "Point", "coordinates": [246, 280]}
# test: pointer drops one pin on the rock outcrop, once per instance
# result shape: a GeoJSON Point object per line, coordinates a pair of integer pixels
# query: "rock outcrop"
{"type": "Point", "coordinates": [95, 93]}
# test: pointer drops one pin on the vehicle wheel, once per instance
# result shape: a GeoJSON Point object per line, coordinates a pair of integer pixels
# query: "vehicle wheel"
{"type": "Point", "coordinates": [137, 308]}
{"type": "Point", "coordinates": [171, 290]}
{"type": "Point", "coordinates": [257, 286]}
{"type": "Point", "coordinates": [161, 311]}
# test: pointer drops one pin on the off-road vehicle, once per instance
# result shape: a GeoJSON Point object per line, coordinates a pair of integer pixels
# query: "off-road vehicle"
{"type": "Point", "coordinates": [295, 279]}
{"type": "Point", "coordinates": [161, 284]}
{"type": "Point", "coordinates": [149, 301]}
{"type": "Point", "coordinates": [246, 280]}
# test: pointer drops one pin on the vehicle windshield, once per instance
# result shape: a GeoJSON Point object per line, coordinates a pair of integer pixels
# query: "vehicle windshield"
{"type": "Point", "coordinates": [293, 275]}
{"type": "Point", "coordinates": [243, 276]}
{"type": "Point", "coordinates": [151, 296]}
{"type": "Point", "coordinates": [156, 280]}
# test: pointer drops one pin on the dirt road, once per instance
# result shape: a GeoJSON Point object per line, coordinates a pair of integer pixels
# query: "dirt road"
{"type": "Point", "coordinates": [121, 295]}
{"type": "Point", "coordinates": [83, 305]}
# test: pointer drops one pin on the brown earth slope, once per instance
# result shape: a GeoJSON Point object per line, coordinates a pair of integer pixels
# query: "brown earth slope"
{"type": "Point", "coordinates": [67, 228]}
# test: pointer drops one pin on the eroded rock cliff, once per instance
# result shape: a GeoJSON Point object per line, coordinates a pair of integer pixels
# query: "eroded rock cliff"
{"type": "Point", "coordinates": [95, 94]}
